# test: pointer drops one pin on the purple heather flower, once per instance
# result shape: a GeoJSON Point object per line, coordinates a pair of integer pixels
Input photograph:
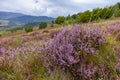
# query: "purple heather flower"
{"type": "Point", "coordinates": [2, 50]}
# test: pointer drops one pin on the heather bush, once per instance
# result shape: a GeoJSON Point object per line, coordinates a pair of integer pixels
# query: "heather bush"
{"type": "Point", "coordinates": [82, 52]}
{"type": "Point", "coordinates": [23, 63]}
{"type": "Point", "coordinates": [2, 50]}
{"type": "Point", "coordinates": [6, 42]}
{"type": "Point", "coordinates": [54, 33]}
{"type": "Point", "coordinates": [30, 37]}
{"type": "Point", "coordinates": [27, 62]}
{"type": "Point", "coordinates": [25, 38]}
{"type": "Point", "coordinates": [114, 29]}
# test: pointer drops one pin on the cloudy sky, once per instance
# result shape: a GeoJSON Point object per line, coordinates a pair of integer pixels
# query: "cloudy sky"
{"type": "Point", "coordinates": [52, 8]}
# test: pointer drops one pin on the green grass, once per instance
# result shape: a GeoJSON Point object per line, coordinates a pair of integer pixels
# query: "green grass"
{"type": "Point", "coordinates": [3, 32]}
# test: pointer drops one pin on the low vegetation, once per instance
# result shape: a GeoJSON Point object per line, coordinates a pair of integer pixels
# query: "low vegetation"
{"type": "Point", "coordinates": [42, 25]}
{"type": "Point", "coordinates": [28, 29]}
{"type": "Point", "coordinates": [15, 29]}
{"type": "Point", "coordinates": [60, 20]}
{"type": "Point", "coordinates": [74, 53]}
{"type": "Point", "coordinates": [88, 51]}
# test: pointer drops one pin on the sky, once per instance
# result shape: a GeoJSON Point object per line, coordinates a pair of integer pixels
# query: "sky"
{"type": "Point", "coordinates": [52, 8]}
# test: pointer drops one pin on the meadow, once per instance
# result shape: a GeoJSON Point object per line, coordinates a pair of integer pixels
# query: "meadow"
{"type": "Point", "coordinates": [87, 51]}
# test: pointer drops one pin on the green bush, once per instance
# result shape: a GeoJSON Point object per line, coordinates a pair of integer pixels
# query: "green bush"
{"type": "Point", "coordinates": [96, 13]}
{"type": "Point", "coordinates": [116, 10]}
{"type": "Point", "coordinates": [68, 17]}
{"type": "Point", "coordinates": [84, 17]}
{"type": "Point", "coordinates": [74, 16]}
{"type": "Point", "coordinates": [28, 29]}
{"type": "Point", "coordinates": [42, 25]}
{"type": "Point", "coordinates": [60, 20]}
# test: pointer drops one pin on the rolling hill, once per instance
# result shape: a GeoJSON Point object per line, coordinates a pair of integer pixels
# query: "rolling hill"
{"type": "Point", "coordinates": [8, 15]}
{"type": "Point", "coordinates": [28, 19]}
{"type": "Point", "coordinates": [14, 19]}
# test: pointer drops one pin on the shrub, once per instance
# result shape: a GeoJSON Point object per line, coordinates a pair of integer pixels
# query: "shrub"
{"type": "Point", "coordinates": [96, 13]}
{"type": "Point", "coordinates": [74, 16]}
{"type": "Point", "coordinates": [42, 25]}
{"type": "Point", "coordinates": [2, 51]}
{"type": "Point", "coordinates": [68, 17]}
{"type": "Point", "coordinates": [54, 33]}
{"type": "Point", "coordinates": [82, 53]}
{"type": "Point", "coordinates": [114, 29]}
{"type": "Point", "coordinates": [60, 20]}
{"type": "Point", "coordinates": [23, 62]}
{"type": "Point", "coordinates": [28, 29]}
{"type": "Point", "coordinates": [84, 17]}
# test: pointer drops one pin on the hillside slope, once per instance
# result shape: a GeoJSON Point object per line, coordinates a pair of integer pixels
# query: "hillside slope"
{"type": "Point", "coordinates": [8, 15]}
{"type": "Point", "coordinates": [21, 19]}
{"type": "Point", "coordinates": [28, 19]}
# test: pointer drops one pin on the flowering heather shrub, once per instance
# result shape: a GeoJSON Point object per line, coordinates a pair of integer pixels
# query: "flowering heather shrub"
{"type": "Point", "coordinates": [54, 33]}
{"type": "Point", "coordinates": [76, 50]}
{"type": "Point", "coordinates": [24, 62]}
{"type": "Point", "coordinates": [117, 48]}
{"type": "Point", "coordinates": [114, 29]}
{"type": "Point", "coordinates": [2, 51]}
{"type": "Point", "coordinates": [25, 48]}
{"type": "Point", "coordinates": [30, 37]}
{"type": "Point", "coordinates": [26, 38]}
{"type": "Point", "coordinates": [6, 42]}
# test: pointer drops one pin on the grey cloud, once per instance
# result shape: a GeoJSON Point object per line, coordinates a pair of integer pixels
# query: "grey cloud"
{"type": "Point", "coordinates": [52, 8]}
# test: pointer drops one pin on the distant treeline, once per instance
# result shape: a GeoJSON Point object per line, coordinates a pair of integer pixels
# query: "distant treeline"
{"type": "Point", "coordinates": [89, 16]}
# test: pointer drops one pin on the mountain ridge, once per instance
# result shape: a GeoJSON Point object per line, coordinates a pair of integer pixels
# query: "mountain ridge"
{"type": "Point", "coordinates": [8, 15]}
{"type": "Point", "coordinates": [22, 19]}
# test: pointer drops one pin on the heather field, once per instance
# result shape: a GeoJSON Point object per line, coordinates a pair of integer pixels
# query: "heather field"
{"type": "Point", "coordinates": [89, 51]}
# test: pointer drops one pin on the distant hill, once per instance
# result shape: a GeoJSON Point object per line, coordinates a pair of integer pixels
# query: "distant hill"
{"type": "Point", "coordinates": [14, 19]}
{"type": "Point", "coordinates": [8, 15]}
{"type": "Point", "coordinates": [29, 19]}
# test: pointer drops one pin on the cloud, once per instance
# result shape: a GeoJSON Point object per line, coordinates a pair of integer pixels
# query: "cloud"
{"type": "Point", "coordinates": [90, 1]}
{"type": "Point", "coordinates": [52, 8]}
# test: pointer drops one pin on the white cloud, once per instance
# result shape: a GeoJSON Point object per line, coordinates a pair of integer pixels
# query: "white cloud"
{"type": "Point", "coordinates": [90, 1]}
{"type": "Point", "coordinates": [52, 7]}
